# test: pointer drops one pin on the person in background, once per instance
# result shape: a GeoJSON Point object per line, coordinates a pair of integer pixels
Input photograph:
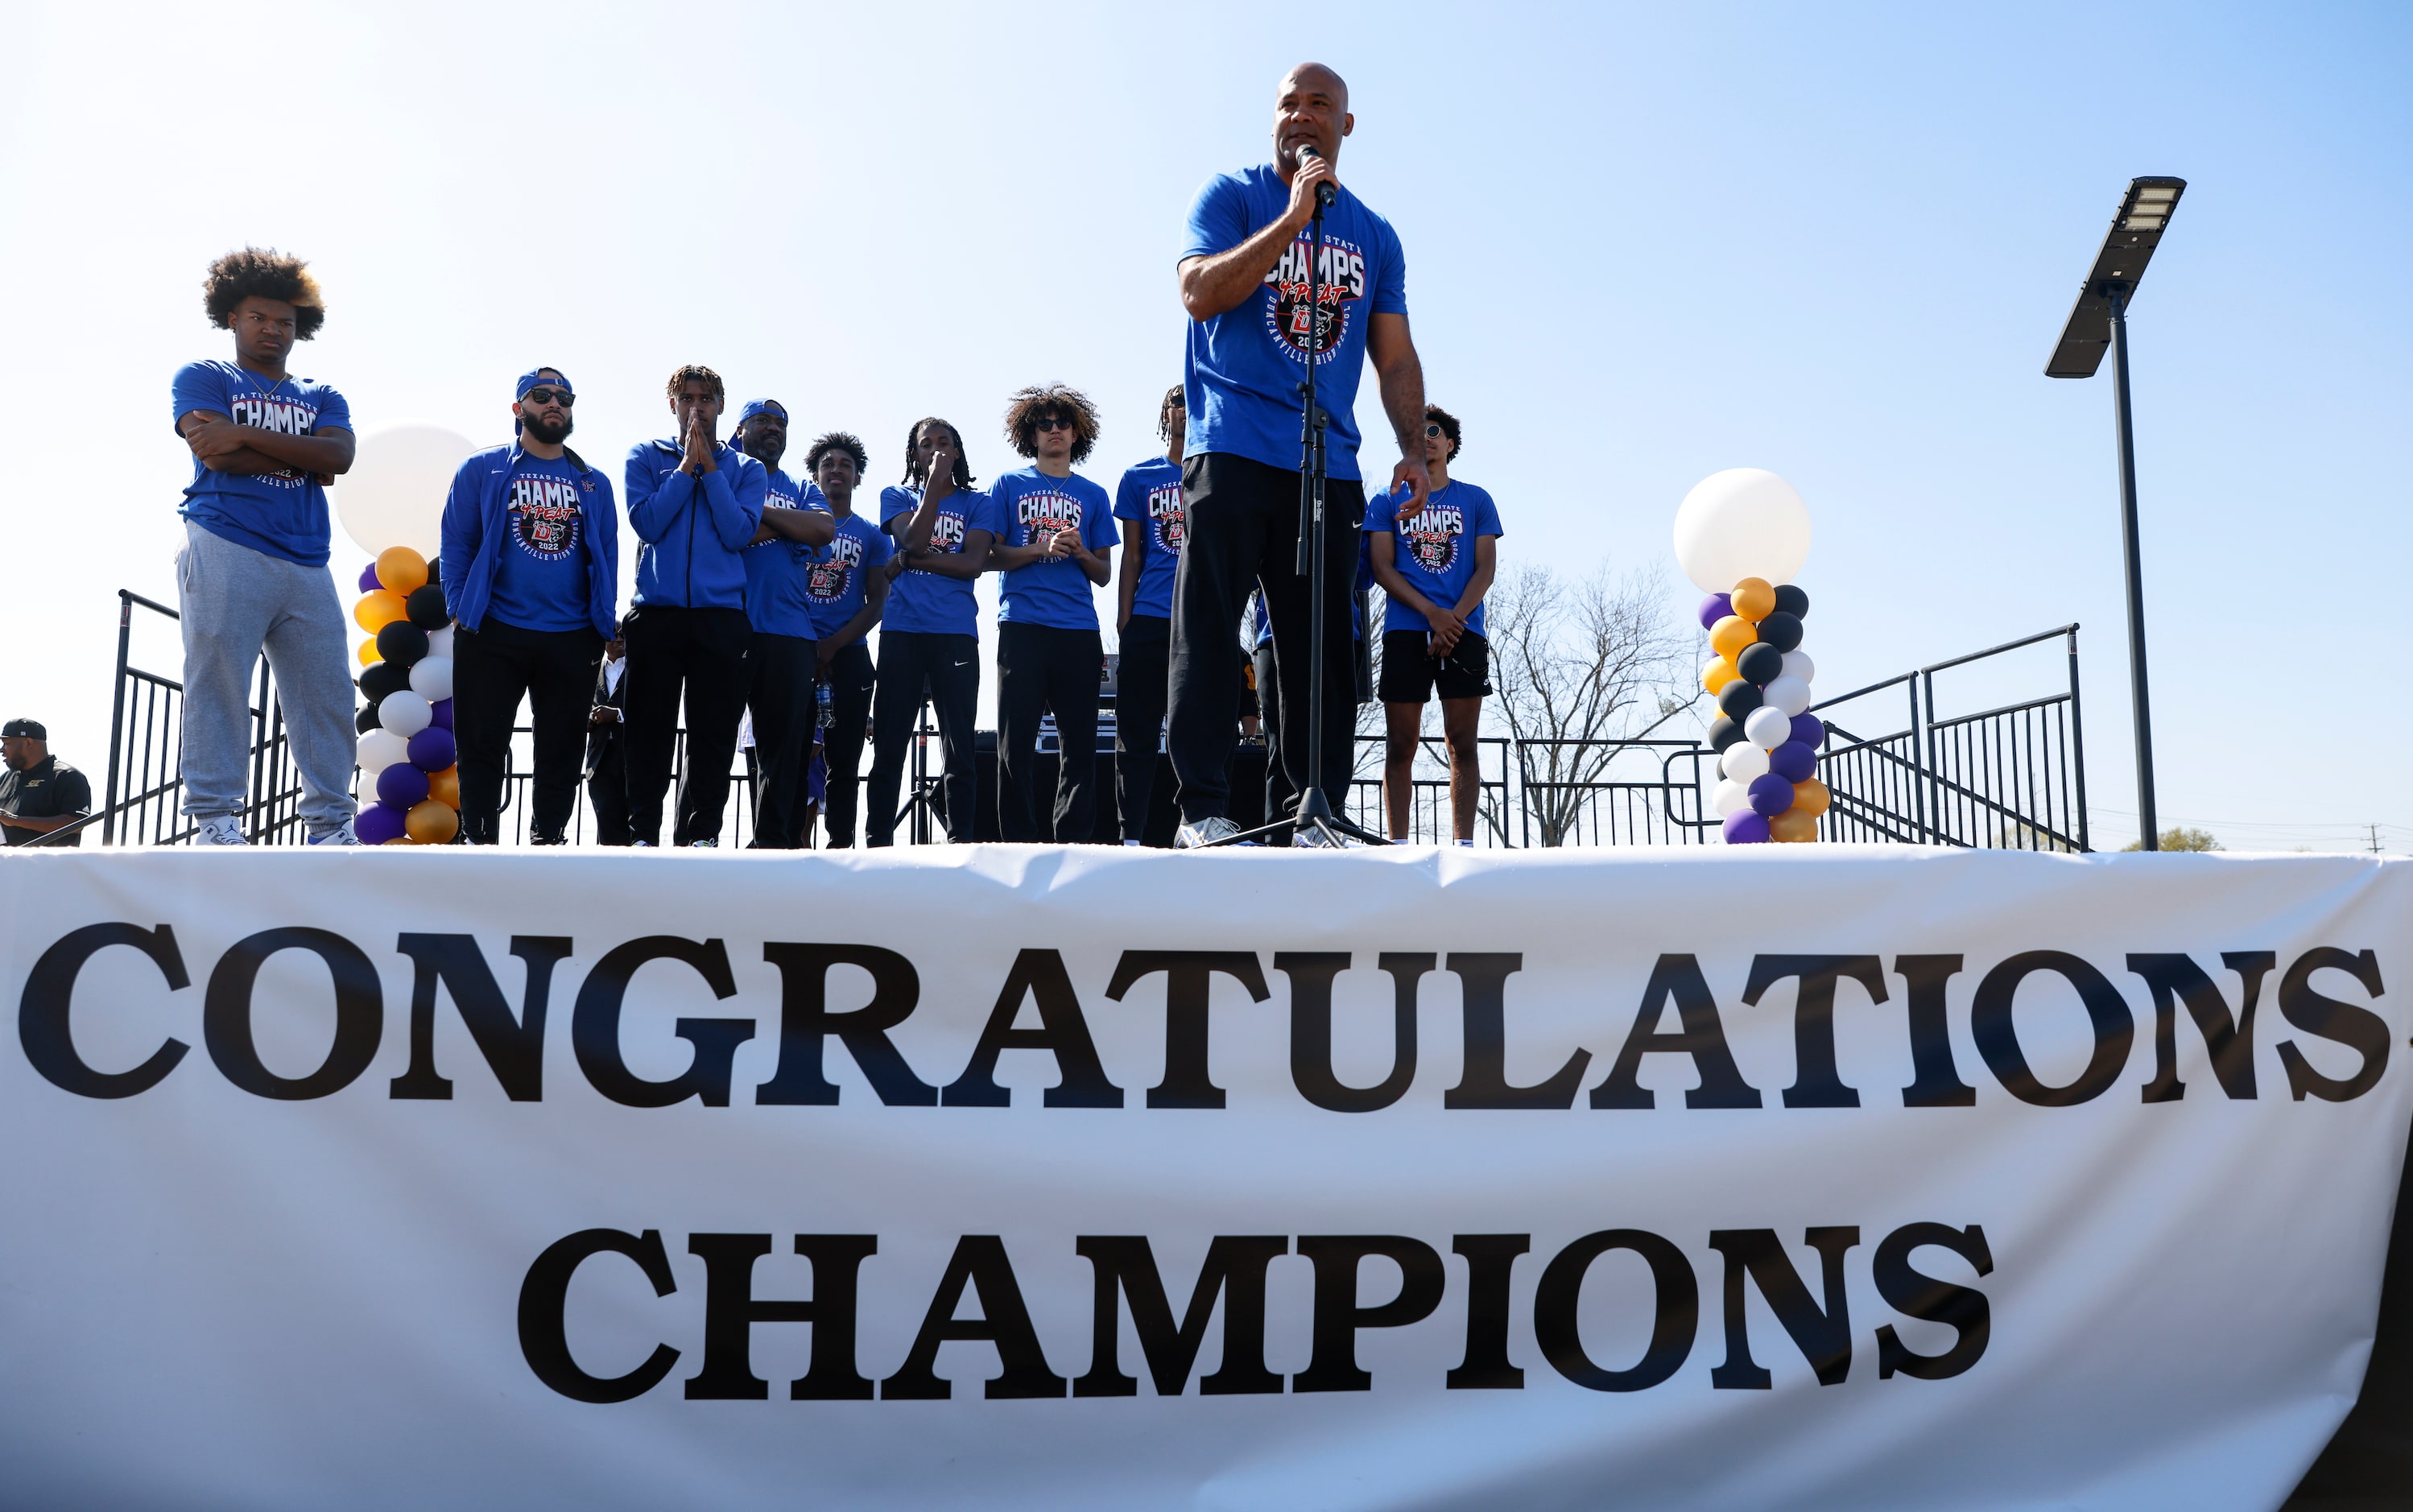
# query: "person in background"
{"type": "Point", "coordinates": [1260, 640]}
{"type": "Point", "coordinates": [1054, 529]}
{"type": "Point", "coordinates": [695, 503]}
{"type": "Point", "coordinates": [1147, 501]}
{"type": "Point", "coordinates": [1435, 563]}
{"type": "Point", "coordinates": [848, 587]}
{"type": "Point", "coordinates": [531, 567]}
{"type": "Point", "coordinates": [38, 792]}
{"type": "Point", "coordinates": [929, 636]}
{"type": "Point", "coordinates": [607, 778]}
{"type": "Point", "coordinates": [252, 577]}
{"type": "Point", "coordinates": [778, 607]}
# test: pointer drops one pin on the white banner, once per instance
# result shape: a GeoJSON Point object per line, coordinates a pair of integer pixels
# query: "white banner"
{"type": "Point", "coordinates": [1018, 1177]}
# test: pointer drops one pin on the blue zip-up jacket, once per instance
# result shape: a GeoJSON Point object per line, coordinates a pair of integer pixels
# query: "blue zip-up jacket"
{"type": "Point", "coordinates": [694, 530]}
{"type": "Point", "coordinates": [475, 531]}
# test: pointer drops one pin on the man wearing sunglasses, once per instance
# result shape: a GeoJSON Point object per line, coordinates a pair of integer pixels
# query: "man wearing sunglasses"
{"type": "Point", "coordinates": [1244, 281]}
{"type": "Point", "coordinates": [531, 566]}
{"type": "Point", "coordinates": [1054, 530]}
{"type": "Point", "coordinates": [1147, 501]}
{"type": "Point", "coordinates": [780, 660]}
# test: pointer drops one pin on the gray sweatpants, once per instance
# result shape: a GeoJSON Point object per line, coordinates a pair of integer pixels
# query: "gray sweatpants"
{"type": "Point", "coordinates": [235, 604]}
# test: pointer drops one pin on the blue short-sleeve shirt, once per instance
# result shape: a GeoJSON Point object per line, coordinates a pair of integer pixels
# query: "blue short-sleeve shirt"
{"type": "Point", "coordinates": [931, 603]}
{"type": "Point", "coordinates": [836, 582]}
{"type": "Point", "coordinates": [778, 570]}
{"type": "Point", "coordinates": [543, 580]}
{"type": "Point", "coordinates": [1151, 494]}
{"type": "Point", "coordinates": [281, 514]}
{"type": "Point", "coordinates": [1028, 504]}
{"type": "Point", "coordinates": [1434, 548]}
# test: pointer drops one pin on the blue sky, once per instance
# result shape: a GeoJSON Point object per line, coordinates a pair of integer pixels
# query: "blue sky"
{"type": "Point", "coordinates": [1644, 243]}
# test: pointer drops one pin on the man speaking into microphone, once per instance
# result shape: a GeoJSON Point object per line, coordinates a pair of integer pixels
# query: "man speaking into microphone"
{"type": "Point", "coordinates": [1244, 276]}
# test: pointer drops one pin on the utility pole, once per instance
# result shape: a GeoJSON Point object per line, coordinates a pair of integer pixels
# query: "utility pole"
{"type": "Point", "coordinates": [2374, 839]}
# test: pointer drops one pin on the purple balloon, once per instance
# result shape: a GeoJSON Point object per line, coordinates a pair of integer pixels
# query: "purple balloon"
{"type": "Point", "coordinates": [1746, 828]}
{"type": "Point", "coordinates": [379, 823]}
{"type": "Point", "coordinates": [1810, 729]}
{"type": "Point", "coordinates": [1793, 760]}
{"type": "Point", "coordinates": [1770, 794]}
{"type": "Point", "coordinates": [439, 714]}
{"type": "Point", "coordinates": [401, 785]}
{"type": "Point", "coordinates": [432, 750]}
{"type": "Point", "coordinates": [1715, 607]}
{"type": "Point", "coordinates": [369, 583]}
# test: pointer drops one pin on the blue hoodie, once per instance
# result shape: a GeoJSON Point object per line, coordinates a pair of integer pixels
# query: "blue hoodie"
{"type": "Point", "coordinates": [475, 531]}
{"type": "Point", "coordinates": [694, 530]}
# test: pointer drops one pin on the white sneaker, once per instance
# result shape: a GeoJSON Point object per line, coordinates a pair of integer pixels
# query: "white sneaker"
{"type": "Point", "coordinates": [1205, 832]}
{"type": "Point", "coordinates": [220, 830]}
{"type": "Point", "coordinates": [704, 845]}
{"type": "Point", "coordinates": [1136, 842]}
{"type": "Point", "coordinates": [1309, 837]}
{"type": "Point", "coordinates": [641, 845]}
{"type": "Point", "coordinates": [338, 837]}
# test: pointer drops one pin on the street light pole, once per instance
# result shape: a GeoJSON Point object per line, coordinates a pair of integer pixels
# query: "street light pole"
{"type": "Point", "coordinates": [2149, 823]}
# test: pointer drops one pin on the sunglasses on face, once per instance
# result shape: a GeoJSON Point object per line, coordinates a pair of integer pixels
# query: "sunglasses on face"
{"type": "Point", "coordinates": [549, 396]}
{"type": "Point", "coordinates": [1052, 423]}
{"type": "Point", "coordinates": [1433, 432]}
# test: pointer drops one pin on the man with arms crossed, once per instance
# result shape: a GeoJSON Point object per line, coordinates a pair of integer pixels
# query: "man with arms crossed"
{"type": "Point", "coordinates": [1148, 503]}
{"type": "Point", "coordinates": [849, 588]}
{"type": "Point", "coordinates": [780, 660]}
{"type": "Point", "coordinates": [253, 575]}
{"type": "Point", "coordinates": [1435, 565]}
{"type": "Point", "coordinates": [1244, 282]}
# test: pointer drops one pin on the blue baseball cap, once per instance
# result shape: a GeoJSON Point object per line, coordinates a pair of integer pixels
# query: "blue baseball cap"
{"type": "Point", "coordinates": [756, 407]}
{"type": "Point", "coordinates": [535, 376]}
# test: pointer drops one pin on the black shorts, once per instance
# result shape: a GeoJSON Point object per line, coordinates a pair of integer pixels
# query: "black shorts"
{"type": "Point", "coordinates": [1410, 671]}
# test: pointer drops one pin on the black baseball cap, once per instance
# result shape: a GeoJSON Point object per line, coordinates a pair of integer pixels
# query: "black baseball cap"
{"type": "Point", "coordinates": [24, 730]}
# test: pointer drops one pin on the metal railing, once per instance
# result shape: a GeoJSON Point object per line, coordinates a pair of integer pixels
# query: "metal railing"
{"type": "Point", "coordinates": [142, 798]}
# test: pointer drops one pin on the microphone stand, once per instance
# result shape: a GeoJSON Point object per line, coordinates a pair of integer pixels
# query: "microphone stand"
{"type": "Point", "coordinates": [1314, 809]}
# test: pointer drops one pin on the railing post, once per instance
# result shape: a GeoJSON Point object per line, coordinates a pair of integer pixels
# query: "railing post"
{"type": "Point", "coordinates": [1923, 757]}
{"type": "Point", "coordinates": [116, 718]}
{"type": "Point", "coordinates": [2078, 744]}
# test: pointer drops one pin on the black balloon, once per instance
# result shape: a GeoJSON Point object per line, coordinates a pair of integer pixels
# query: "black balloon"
{"type": "Point", "coordinates": [436, 575]}
{"type": "Point", "coordinates": [367, 719]}
{"type": "Point", "coordinates": [1792, 601]}
{"type": "Point", "coordinates": [1724, 732]}
{"type": "Point", "coordinates": [383, 679]}
{"type": "Point", "coordinates": [1737, 699]}
{"type": "Point", "coordinates": [427, 609]}
{"type": "Point", "coordinates": [1780, 631]}
{"type": "Point", "coordinates": [1761, 663]}
{"type": "Point", "coordinates": [401, 642]}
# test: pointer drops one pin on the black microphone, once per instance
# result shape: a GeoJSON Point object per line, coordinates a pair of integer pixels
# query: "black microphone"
{"type": "Point", "coordinates": [1324, 192]}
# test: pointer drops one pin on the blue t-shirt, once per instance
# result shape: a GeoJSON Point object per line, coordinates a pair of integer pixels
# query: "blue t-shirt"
{"type": "Point", "coordinates": [930, 603]}
{"type": "Point", "coordinates": [1152, 494]}
{"type": "Point", "coordinates": [1434, 549]}
{"type": "Point", "coordinates": [1028, 504]}
{"type": "Point", "coordinates": [281, 514]}
{"type": "Point", "coordinates": [542, 571]}
{"type": "Point", "coordinates": [836, 582]}
{"type": "Point", "coordinates": [778, 570]}
{"type": "Point", "coordinates": [1246, 363]}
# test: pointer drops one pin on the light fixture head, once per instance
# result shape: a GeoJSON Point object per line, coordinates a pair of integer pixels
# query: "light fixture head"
{"type": "Point", "coordinates": [2135, 231]}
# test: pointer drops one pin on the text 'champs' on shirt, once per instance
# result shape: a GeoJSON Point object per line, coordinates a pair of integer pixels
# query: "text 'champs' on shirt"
{"type": "Point", "coordinates": [1028, 506]}
{"type": "Point", "coordinates": [281, 514]}
{"type": "Point", "coordinates": [931, 603]}
{"type": "Point", "coordinates": [778, 571]}
{"type": "Point", "coordinates": [1151, 494]}
{"type": "Point", "coordinates": [1246, 363]}
{"type": "Point", "coordinates": [1434, 548]}
{"type": "Point", "coordinates": [836, 584]}
{"type": "Point", "coordinates": [542, 573]}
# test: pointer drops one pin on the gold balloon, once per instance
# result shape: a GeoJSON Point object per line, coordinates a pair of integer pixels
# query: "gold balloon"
{"type": "Point", "coordinates": [377, 609]}
{"type": "Point", "coordinates": [1720, 672]}
{"type": "Point", "coordinates": [1753, 600]}
{"type": "Point", "coordinates": [1728, 636]}
{"type": "Point", "coordinates": [369, 655]}
{"type": "Point", "coordinates": [1810, 796]}
{"type": "Point", "coordinates": [1793, 826]}
{"type": "Point", "coordinates": [430, 824]}
{"type": "Point", "coordinates": [399, 570]}
{"type": "Point", "coordinates": [444, 787]}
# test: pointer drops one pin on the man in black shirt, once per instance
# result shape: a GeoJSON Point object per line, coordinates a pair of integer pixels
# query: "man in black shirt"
{"type": "Point", "coordinates": [38, 792]}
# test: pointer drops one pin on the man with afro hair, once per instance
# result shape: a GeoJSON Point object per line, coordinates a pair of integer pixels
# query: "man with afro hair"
{"type": "Point", "coordinates": [253, 575]}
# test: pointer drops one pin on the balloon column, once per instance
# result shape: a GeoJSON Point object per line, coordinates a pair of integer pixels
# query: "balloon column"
{"type": "Point", "coordinates": [1740, 535]}
{"type": "Point", "coordinates": [406, 750]}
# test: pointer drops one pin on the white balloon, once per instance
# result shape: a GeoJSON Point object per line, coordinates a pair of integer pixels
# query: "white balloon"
{"type": "Point", "coordinates": [1789, 694]}
{"type": "Point", "coordinates": [439, 644]}
{"type": "Point", "coordinates": [1730, 798]}
{"type": "Point", "coordinates": [1744, 521]}
{"type": "Point", "coordinates": [382, 749]}
{"type": "Point", "coordinates": [432, 679]}
{"type": "Point", "coordinates": [393, 496]}
{"type": "Point", "coordinates": [403, 714]}
{"type": "Point", "coordinates": [1769, 727]}
{"type": "Point", "coordinates": [1744, 760]}
{"type": "Point", "coordinates": [1797, 664]}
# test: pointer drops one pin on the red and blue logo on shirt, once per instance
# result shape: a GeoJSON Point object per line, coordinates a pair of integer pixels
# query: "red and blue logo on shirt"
{"type": "Point", "coordinates": [545, 516]}
{"type": "Point", "coordinates": [1341, 277]}
{"type": "Point", "coordinates": [1165, 518]}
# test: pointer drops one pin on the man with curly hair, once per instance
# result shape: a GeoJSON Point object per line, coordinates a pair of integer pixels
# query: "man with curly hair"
{"type": "Point", "coordinates": [1054, 529]}
{"type": "Point", "coordinates": [1147, 501]}
{"type": "Point", "coordinates": [253, 576]}
{"type": "Point", "coordinates": [930, 637]}
{"type": "Point", "coordinates": [848, 590]}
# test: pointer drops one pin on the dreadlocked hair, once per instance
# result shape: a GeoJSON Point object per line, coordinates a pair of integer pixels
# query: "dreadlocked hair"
{"type": "Point", "coordinates": [1172, 401]}
{"type": "Point", "coordinates": [845, 441]}
{"type": "Point", "coordinates": [270, 275]}
{"type": "Point", "coordinates": [697, 372]}
{"type": "Point", "coordinates": [1029, 404]}
{"type": "Point", "coordinates": [1448, 423]}
{"type": "Point", "coordinates": [963, 473]}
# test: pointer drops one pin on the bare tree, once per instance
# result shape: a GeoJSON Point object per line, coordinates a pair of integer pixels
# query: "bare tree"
{"type": "Point", "coordinates": [1578, 664]}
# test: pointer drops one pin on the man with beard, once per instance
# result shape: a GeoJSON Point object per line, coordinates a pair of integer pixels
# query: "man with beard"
{"type": "Point", "coordinates": [695, 503]}
{"type": "Point", "coordinates": [531, 565]}
{"type": "Point", "coordinates": [849, 588]}
{"type": "Point", "coordinates": [780, 660]}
